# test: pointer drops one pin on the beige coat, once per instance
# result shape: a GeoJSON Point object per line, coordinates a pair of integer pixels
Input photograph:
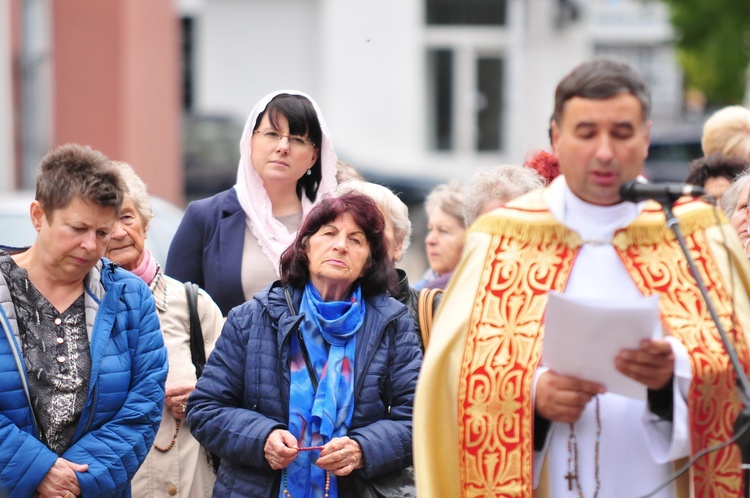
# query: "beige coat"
{"type": "Point", "coordinates": [184, 470]}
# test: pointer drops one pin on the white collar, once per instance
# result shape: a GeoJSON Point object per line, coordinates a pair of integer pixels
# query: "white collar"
{"type": "Point", "coordinates": [593, 223]}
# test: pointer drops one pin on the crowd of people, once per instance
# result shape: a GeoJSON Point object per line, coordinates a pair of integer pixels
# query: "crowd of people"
{"type": "Point", "coordinates": [282, 352]}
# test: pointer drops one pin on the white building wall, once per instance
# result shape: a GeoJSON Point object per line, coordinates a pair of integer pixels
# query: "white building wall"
{"type": "Point", "coordinates": [248, 48]}
{"type": "Point", "coordinates": [365, 64]}
{"type": "Point", "coordinates": [373, 81]}
{"type": "Point", "coordinates": [549, 52]}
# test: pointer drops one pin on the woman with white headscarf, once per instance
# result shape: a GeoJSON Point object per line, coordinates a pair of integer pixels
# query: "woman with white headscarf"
{"type": "Point", "coordinates": [230, 244]}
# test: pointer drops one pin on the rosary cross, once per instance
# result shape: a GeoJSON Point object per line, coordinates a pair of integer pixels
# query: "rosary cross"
{"type": "Point", "coordinates": [570, 476]}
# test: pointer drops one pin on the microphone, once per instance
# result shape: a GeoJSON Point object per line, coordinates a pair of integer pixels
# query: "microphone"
{"type": "Point", "coordinates": [635, 191]}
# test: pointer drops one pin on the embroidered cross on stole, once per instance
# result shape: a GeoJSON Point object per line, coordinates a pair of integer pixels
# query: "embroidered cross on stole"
{"type": "Point", "coordinates": [532, 254]}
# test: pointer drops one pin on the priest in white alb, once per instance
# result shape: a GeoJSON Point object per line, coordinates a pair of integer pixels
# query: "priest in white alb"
{"type": "Point", "coordinates": [493, 420]}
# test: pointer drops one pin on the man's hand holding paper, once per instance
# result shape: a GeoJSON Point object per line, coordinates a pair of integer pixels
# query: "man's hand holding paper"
{"type": "Point", "coordinates": [614, 343]}
{"type": "Point", "coordinates": [652, 364]}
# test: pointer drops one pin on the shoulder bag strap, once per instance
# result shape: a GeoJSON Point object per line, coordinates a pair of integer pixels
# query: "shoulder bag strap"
{"type": "Point", "coordinates": [425, 312]}
{"type": "Point", "coordinates": [197, 348]}
{"type": "Point", "coordinates": [431, 306]}
{"type": "Point", "coordinates": [422, 315]}
{"type": "Point", "coordinates": [310, 369]}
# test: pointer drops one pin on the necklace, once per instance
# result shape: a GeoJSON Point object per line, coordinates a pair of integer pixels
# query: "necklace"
{"type": "Point", "coordinates": [597, 242]}
{"type": "Point", "coordinates": [572, 475]}
{"type": "Point", "coordinates": [287, 494]}
{"type": "Point", "coordinates": [174, 438]}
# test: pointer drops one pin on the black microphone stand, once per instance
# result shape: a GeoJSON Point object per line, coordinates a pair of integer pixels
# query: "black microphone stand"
{"type": "Point", "coordinates": [743, 385]}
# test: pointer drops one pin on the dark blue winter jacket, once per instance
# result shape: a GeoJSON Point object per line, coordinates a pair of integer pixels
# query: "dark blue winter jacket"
{"type": "Point", "coordinates": [243, 394]}
{"type": "Point", "coordinates": [126, 391]}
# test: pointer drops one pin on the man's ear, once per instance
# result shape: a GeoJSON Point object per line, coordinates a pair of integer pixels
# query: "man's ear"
{"type": "Point", "coordinates": [554, 131]}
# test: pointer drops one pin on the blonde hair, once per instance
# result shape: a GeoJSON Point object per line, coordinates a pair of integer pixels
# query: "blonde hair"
{"type": "Point", "coordinates": [727, 132]}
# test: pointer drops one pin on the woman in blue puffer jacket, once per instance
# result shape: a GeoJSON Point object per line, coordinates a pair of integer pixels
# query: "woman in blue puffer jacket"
{"type": "Point", "coordinates": [82, 360]}
{"type": "Point", "coordinates": [309, 390]}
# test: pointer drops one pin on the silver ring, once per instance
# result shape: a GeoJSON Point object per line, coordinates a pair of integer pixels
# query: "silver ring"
{"type": "Point", "coordinates": [182, 407]}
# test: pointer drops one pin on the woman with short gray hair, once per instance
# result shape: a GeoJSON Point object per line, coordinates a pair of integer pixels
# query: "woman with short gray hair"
{"type": "Point", "coordinates": [734, 203]}
{"type": "Point", "coordinates": [488, 189]}
{"type": "Point", "coordinates": [446, 228]}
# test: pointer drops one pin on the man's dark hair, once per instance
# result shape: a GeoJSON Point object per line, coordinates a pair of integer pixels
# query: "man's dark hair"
{"type": "Point", "coordinates": [713, 166]}
{"type": "Point", "coordinates": [601, 79]}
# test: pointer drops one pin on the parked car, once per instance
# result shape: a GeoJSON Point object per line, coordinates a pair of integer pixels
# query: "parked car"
{"type": "Point", "coordinates": [210, 153]}
{"type": "Point", "coordinates": [673, 147]}
{"type": "Point", "coordinates": [16, 229]}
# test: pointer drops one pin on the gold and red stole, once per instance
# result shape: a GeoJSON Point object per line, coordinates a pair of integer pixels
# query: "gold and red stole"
{"type": "Point", "coordinates": [532, 253]}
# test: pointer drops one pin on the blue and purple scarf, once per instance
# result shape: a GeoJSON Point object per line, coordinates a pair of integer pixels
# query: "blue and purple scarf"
{"type": "Point", "coordinates": [329, 331]}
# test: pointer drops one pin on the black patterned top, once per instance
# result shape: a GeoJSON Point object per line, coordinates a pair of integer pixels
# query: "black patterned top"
{"type": "Point", "coordinates": [56, 352]}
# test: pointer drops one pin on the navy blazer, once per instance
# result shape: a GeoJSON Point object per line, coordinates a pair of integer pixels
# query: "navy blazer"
{"type": "Point", "coordinates": [207, 248]}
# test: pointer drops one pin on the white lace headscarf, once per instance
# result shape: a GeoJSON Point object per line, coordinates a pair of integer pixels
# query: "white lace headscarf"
{"type": "Point", "coordinates": [272, 235]}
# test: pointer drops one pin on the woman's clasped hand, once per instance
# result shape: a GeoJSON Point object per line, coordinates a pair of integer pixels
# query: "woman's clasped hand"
{"type": "Point", "coordinates": [340, 456]}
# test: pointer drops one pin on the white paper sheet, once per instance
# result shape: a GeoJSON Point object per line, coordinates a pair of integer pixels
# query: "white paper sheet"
{"type": "Point", "coordinates": [582, 337]}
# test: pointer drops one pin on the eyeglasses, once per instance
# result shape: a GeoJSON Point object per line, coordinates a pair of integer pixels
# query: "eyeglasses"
{"type": "Point", "coordinates": [273, 138]}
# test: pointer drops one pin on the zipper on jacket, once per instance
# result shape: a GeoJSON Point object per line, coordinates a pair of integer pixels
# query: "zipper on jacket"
{"type": "Point", "coordinates": [368, 359]}
{"type": "Point", "coordinates": [94, 395]}
{"type": "Point", "coordinates": [389, 368]}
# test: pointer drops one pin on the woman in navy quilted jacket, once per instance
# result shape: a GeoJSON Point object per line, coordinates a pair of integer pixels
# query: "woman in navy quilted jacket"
{"type": "Point", "coordinates": [309, 390]}
{"type": "Point", "coordinates": [82, 361]}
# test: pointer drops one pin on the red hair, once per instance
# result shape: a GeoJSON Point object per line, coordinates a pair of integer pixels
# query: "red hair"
{"type": "Point", "coordinates": [544, 163]}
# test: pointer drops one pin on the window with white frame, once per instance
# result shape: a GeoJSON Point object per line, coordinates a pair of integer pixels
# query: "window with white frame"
{"type": "Point", "coordinates": [465, 50]}
{"type": "Point", "coordinates": [657, 64]}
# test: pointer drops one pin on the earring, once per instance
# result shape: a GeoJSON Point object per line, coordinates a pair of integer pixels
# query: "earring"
{"type": "Point", "coordinates": [309, 172]}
